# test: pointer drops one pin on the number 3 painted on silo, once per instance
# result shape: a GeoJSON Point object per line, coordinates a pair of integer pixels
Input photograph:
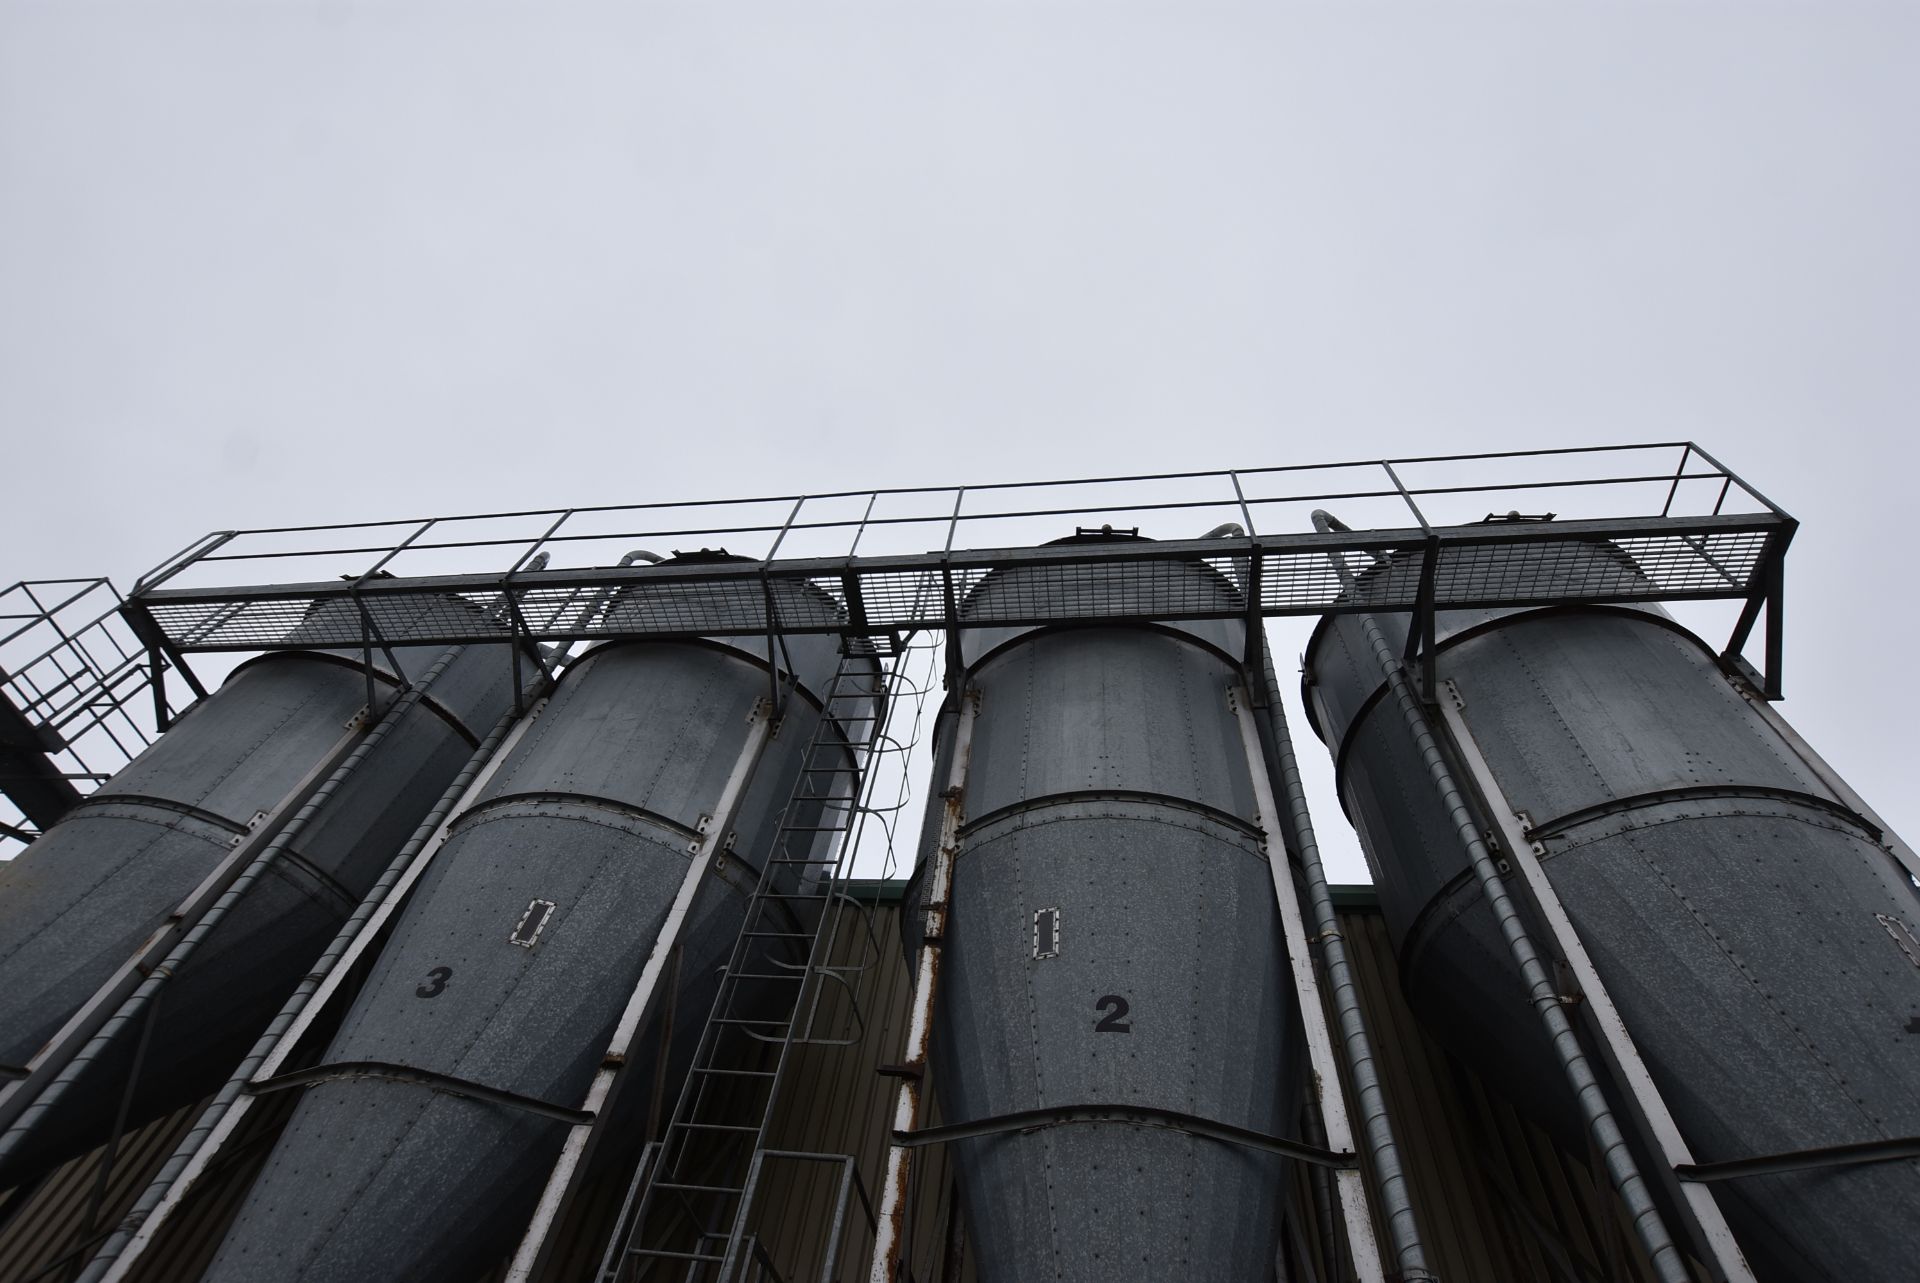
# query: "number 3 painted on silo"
{"type": "Point", "coordinates": [1115, 1007]}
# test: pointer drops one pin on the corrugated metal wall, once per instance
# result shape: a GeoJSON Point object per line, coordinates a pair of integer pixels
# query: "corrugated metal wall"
{"type": "Point", "coordinates": [59, 1225]}
{"type": "Point", "coordinates": [1496, 1198]}
{"type": "Point", "coordinates": [838, 1102]}
{"type": "Point", "coordinates": [1498, 1201]}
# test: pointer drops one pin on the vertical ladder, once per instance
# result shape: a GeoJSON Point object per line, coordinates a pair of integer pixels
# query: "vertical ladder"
{"type": "Point", "coordinates": [688, 1206]}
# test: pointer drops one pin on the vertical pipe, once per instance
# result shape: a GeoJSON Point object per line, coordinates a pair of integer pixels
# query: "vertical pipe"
{"type": "Point", "coordinates": [218, 1116]}
{"type": "Point", "coordinates": [1396, 1207]}
{"type": "Point", "coordinates": [1668, 1264]}
{"type": "Point", "coordinates": [1321, 1192]}
{"type": "Point", "coordinates": [1369, 1266]}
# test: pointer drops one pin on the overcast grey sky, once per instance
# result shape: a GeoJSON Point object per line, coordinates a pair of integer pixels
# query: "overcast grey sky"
{"type": "Point", "coordinates": [276, 262]}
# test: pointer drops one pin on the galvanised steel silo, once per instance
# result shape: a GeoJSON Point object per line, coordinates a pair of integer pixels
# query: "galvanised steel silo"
{"type": "Point", "coordinates": [85, 898]}
{"type": "Point", "coordinates": [1111, 941]}
{"type": "Point", "coordinates": [1752, 931]}
{"type": "Point", "coordinates": [441, 1105]}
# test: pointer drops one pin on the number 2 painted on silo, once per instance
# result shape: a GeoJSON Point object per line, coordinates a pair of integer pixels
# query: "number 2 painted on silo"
{"type": "Point", "coordinates": [1115, 1007]}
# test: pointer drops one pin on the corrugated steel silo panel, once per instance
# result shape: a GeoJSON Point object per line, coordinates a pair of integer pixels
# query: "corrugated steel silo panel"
{"type": "Point", "coordinates": [84, 898]}
{"type": "Point", "coordinates": [1734, 908]}
{"type": "Point", "coordinates": [1112, 939]}
{"type": "Point", "coordinates": [592, 813]}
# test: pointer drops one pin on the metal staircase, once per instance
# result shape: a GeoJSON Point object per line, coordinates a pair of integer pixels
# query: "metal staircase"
{"type": "Point", "coordinates": [686, 1212]}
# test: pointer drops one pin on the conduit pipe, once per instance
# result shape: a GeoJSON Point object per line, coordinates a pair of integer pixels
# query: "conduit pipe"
{"type": "Point", "coordinates": [1668, 1264]}
{"type": "Point", "coordinates": [1283, 767]}
{"type": "Point", "coordinates": [1396, 1206]}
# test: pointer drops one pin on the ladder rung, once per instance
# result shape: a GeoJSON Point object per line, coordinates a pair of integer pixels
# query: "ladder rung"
{"type": "Point", "coordinates": [661, 1252]}
{"type": "Point", "coordinates": [739, 1020]}
{"type": "Point", "coordinates": [834, 766]}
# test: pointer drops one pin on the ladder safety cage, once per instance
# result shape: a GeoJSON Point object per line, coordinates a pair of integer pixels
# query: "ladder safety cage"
{"type": "Point", "coordinates": [690, 1202]}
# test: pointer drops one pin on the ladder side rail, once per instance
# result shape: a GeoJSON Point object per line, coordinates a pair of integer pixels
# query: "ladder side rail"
{"type": "Point", "coordinates": [826, 931]}
{"type": "Point", "coordinates": [828, 733]}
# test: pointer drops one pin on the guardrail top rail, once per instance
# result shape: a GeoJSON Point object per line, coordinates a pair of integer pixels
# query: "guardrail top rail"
{"type": "Point", "coordinates": [1497, 529]}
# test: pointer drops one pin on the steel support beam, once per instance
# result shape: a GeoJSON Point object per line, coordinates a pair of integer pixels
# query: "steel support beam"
{"type": "Point", "coordinates": [909, 1104]}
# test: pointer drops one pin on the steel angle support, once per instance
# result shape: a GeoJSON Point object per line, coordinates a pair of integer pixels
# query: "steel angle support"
{"type": "Point", "coordinates": [17, 1095]}
{"type": "Point", "coordinates": [1255, 623]}
{"type": "Point", "coordinates": [1767, 591]}
{"type": "Point", "coordinates": [537, 1245]}
{"type": "Point", "coordinates": [1776, 570]}
{"type": "Point", "coordinates": [148, 631]}
{"type": "Point", "coordinates": [157, 680]}
{"type": "Point", "coordinates": [910, 1099]}
{"type": "Point", "coordinates": [1420, 629]}
{"type": "Point", "coordinates": [956, 675]}
{"type": "Point", "coordinates": [1349, 1182]}
{"type": "Point", "coordinates": [1713, 1240]}
{"type": "Point", "coordinates": [776, 646]}
{"type": "Point", "coordinates": [369, 637]}
{"type": "Point", "coordinates": [856, 598]}
{"type": "Point", "coordinates": [191, 1160]}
